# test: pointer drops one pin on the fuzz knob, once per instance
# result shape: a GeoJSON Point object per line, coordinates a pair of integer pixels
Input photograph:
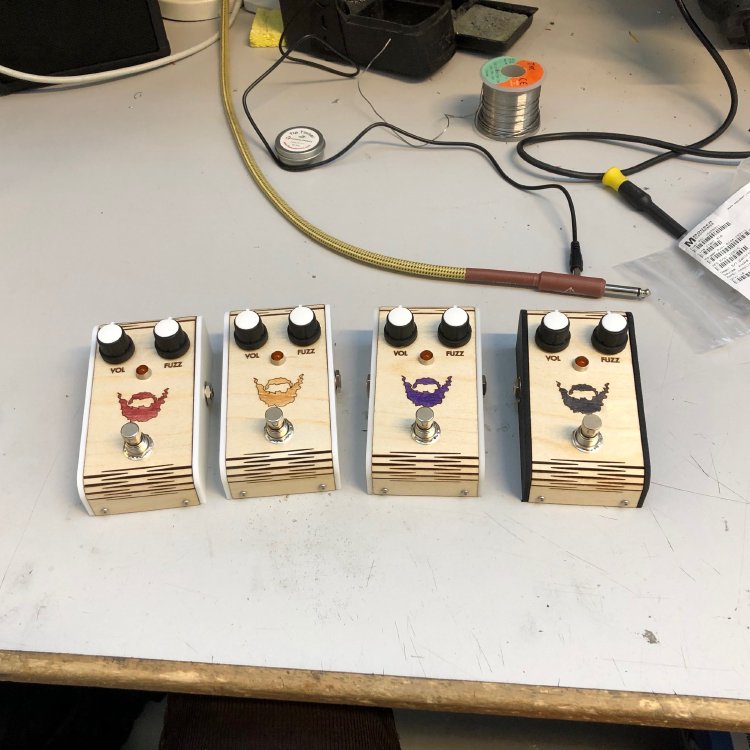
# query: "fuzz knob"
{"type": "Point", "coordinates": [611, 334]}
{"type": "Point", "coordinates": [170, 341]}
{"type": "Point", "coordinates": [454, 329]}
{"type": "Point", "coordinates": [303, 328]}
{"type": "Point", "coordinates": [553, 334]}
{"type": "Point", "coordinates": [400, 328]}
{"type": "Point", "coordinates": [249, 330]}
{"type": "Point", "coordinates": [115, 345]}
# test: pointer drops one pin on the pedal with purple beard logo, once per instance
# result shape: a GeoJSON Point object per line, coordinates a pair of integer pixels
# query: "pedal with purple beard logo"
{"type": "Point", "coordinates": [143, 443]}
{"type": "Point", "coordinates": [425, 433]}
{"type": "Point", "coordinates": [278, 410]}
{"type": "Point", "coordinates": [582, 425]}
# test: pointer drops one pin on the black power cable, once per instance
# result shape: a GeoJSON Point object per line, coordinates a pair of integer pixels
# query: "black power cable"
{"type": "Point", "coordinates": [575, 259]}
{"type": "Point", "coordinates": [671, 150]}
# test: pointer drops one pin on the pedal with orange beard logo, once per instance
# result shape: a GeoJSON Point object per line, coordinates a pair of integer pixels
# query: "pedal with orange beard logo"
{"type": "Point", "coordinates": [425, 433]}
{"type": "Point", "coordinates": [278, 409]}
{"type": "Point", "coordinates": [581, 420]}
{"type": "Point", "coordinates": [143, 443]}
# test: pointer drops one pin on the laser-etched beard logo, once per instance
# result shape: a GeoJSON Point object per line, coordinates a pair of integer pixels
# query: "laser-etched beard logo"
{"type": "Point", "coordinates": [142, 406]}
{"type": "Point", "coordinates": [278, 391]}
{"type": "Point", "coordinates": [426, 391]}
{"type": "Point", "coordinates": [583, 404]}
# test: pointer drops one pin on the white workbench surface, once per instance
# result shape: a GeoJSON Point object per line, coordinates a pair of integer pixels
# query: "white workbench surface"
{"type": "Point", "coordinates": [128, 201]}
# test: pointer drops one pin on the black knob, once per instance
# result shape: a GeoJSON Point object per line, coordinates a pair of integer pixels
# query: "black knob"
{"type": "Point", "coordinates": [454, 329]}
{"type": "Point", "coordinates": [249, 330]}
{"type": "Point", "coordinates": [553, 334]}
{"type": "Point", "coordinates": [170, 341]}
{"type": "Point", "coordinates": [115, 345]}
{"type": "Point", "coordinates": [611, 334]}
{"type": "Point", "coordinates": [400, 328]}
{"type": "Point", "coordinates": [303, 328]}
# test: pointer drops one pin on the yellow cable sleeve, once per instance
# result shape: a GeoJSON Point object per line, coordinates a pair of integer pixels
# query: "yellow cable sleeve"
{"type": "Point", "coordinates": [386, 262]}
{"type": "Point", "coordinates": [613, 178]}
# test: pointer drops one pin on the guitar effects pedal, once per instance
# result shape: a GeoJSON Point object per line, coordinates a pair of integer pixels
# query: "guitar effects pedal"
{"type": "Point", "coordinates": [580, 409]}
{"type": "Point", "coordinates": [143, 443]}
{"type": "Point", "coordinates": [425, 433]}
{"type": "Point", "coordinates": [278, 412]}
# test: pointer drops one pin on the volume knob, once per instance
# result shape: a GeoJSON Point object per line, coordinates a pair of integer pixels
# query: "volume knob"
{"type": "Point", "coordinates": [553, 333]}
{"type": "Point", "coordinates": [454, 329]}
{"type": "Point", "coordinates": [400, 328]}
{"type": "Point", "coordinates": [170, 341]}
{"type": "Point", "coordinates": [249, 330]}
{"type": "Point", "coordinates": [115, 346]}
{"type": "Point", "coordinates": [611, 334]}
{"type": "Point", "coordinates": [303, 328]}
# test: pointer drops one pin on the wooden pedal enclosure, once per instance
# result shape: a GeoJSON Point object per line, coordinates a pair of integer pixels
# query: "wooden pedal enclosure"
{"type": "Point", "coordinates": [425, 430]}
{"type": "Point", "coordinates": [278, 363]}
{"type": "Point", "coordinates": [581, 419]}
{"type": "Point", "coordinates": [143, 442]}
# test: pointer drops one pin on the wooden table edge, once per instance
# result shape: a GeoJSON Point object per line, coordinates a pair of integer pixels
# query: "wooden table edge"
{"type": "Point", "coordinates": [461, 696]}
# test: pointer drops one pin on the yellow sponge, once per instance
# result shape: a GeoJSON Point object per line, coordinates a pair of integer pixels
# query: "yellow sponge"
{"type": "Point", "coordinates": [266, 29]}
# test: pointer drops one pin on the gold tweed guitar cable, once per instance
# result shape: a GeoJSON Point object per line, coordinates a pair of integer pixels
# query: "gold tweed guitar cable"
{"type": "Point", "coordinates": [584, 286]}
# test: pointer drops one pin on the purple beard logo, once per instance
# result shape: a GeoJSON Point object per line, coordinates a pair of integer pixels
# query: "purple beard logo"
{"type": "Point", "coordinates": [420, 397]}
{"type": "Point", "coordinates": [581, 404]}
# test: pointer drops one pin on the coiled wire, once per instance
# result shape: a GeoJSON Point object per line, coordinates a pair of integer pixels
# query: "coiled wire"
{"type": "Point", "coordinates": [509, 103]}
{"type": "Point", "coordinates": [506, 115]}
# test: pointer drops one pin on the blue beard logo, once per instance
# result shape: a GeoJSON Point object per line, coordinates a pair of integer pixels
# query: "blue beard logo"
{"type": "Point", "coordinates": [581, 404]}
{"type": "Point", "coordinates": [420, 397]}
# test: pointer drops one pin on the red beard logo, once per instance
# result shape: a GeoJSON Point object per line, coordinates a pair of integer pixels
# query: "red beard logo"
{"type": "Point", "coordinates": [142, 412]}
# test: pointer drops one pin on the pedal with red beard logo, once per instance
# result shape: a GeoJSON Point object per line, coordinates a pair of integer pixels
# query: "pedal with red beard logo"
{"type": "Point", "coordinates": [278, 410]}
{"type": "Point", "coordinates": [143, 443]}
{"type": "Point", "coordinates": [425, 433]}
{"type": "Point", "coordinates": [580, 409]}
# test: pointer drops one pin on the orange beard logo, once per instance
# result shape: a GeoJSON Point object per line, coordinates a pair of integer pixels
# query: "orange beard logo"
{"type": "Point", "coordinates": [147, 409]}
{"type": "Point", "coordinates": [278, 391]}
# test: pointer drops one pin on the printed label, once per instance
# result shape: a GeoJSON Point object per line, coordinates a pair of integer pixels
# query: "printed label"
{"type": "Point", "coordinates": [721, 242]}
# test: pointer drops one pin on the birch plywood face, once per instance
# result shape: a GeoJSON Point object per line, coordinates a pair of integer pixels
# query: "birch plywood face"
{"type": "Point", "coordinates": [448, 384]}
{"type": "Point", "coordinates": [158, 395]}
{"type": "Point", "coordinates": [296, 379]}
{"type": "Point", "coordinates": [560, 394]}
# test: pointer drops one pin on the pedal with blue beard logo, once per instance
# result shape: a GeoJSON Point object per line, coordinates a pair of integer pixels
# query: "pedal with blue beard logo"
{"type": "Point", "coordinates": [425, 431]}
{"type": "Point", "coordinates": [278, 409]}
{"type": "Point", "coordinates": [144, 436]}
{"type": "Point", "coordinates": [581, 419]}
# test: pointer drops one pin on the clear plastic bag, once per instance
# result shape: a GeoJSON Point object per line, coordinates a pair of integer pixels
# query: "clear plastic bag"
{"type": "Point", "coordinates": [692, 298]}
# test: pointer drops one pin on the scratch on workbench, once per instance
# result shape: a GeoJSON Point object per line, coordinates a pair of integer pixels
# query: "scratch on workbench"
{"type": "Point", "coordinates": [687, 574]}
{"type": "Point", "coordinates": [716, 474]}
{"type": "Point", "coordinates": [662, 530]}
{"type": "Point", "coordinates": [742, 500]}
{"type": "Point", "coordinates": [398, 635]}
{"type": "Point", "coordinates": [695, 461]}
{"type": "Point", "coordinates": [417, 656]}
{"type": "Point", "coordinates": [505, 529]}
{"type": "Point", "coordinates": [619, 673]}
{"type": "Point", "coordinates": [28, 521]}
{"type": "Point", "coordinates": [434, 580]}
{"type": "Point", "coordinates": [369, 575]}
{"type": "Point", "coordinates": [481, 651]}
{"type": "Point", "coordinates": [669, 354]}
{"type": "Point", "coordinates": [742, 557]}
